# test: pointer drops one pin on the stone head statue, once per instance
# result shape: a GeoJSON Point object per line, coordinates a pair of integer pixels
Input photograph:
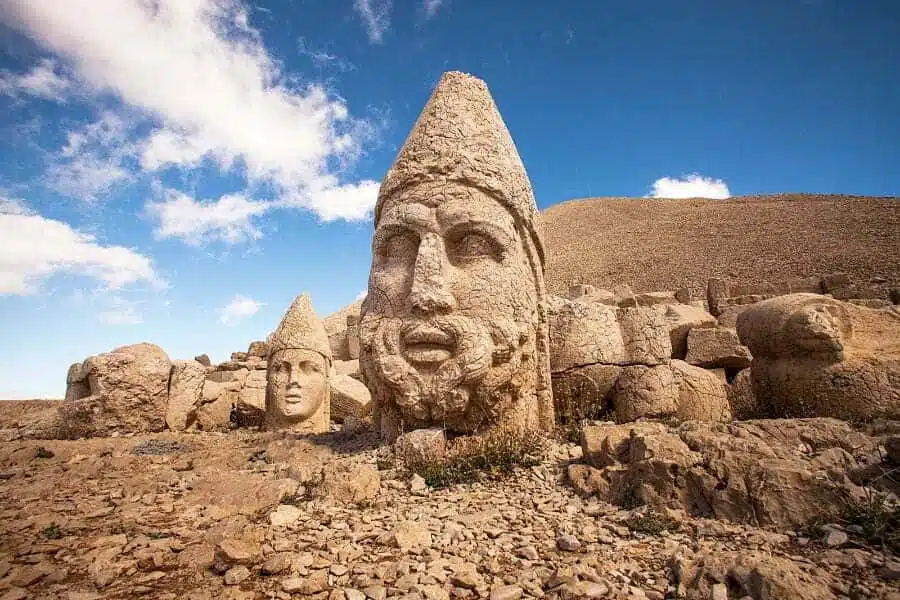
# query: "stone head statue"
{"type": "Point", "coordinates": [299, 370]}
{"type": "Point", "coordinates": [453, 331]}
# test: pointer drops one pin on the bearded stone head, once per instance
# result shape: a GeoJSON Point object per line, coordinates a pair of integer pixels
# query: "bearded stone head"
{"type": "Point", "coordinates": [453, 331]}
{"type": "Point", "coordinates": [298, 372]}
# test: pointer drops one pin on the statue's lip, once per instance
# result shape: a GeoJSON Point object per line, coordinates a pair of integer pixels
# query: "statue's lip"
{"type": "Point", "coordinates": [427, 335]}
{"type": "Point", "coordinates": [427, 344]}
{"type": "Point", "coordinates": [294, 397]}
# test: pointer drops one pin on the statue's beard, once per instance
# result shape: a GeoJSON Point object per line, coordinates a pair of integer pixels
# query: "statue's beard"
{"type": "Point", "coordinates": [471, 387]}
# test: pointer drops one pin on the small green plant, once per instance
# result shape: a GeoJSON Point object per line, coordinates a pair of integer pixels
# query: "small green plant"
{"type": "Point", "coordinates": [52, 532]}
{"type": "Point", "coordinates": [44, 453]}
{"type": "Point", "coordinates": [493, 455]}
{"type": "Point", "coordinates": [158, 535]}
{"type": "Point", "coordinates": [879, 520]}
{"type": "Point", "coordinates": [652, 524]}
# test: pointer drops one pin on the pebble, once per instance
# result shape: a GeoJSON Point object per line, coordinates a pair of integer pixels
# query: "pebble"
{"type": "Point", "coordinates": [236, 575]}
{"type": "Point", "coordinates": [507, 592]}
{"type": "Point", "coordinates": [568, 543]}
{"type": "Point", "coordinates": [835, 538]}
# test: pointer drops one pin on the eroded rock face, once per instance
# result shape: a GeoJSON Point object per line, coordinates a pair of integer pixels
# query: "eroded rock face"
{"type": "Point", "coordinates": [185, 393]}
{"type": "Point", "coordinates": [453, 330]}
{"type": "Point", "coordinates": [767, 473]}
{"type": "Point", "coordinates": [129, 389]}
{"type": "Point", "coordinates": [816, 356]}
{"type": "Point", "coordinates": [298, 372]}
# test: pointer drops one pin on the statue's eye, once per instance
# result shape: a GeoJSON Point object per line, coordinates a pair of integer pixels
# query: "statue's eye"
{"type": "Point", "coordinates": [474, 245]}
{"type": "Point", "coordinates": [398, 247]}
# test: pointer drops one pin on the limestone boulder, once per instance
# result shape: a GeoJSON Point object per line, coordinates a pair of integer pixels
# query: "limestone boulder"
{"type": "Point", "coordinates": [780, 473]}
{"type": "Point", "coordinates": [203, 359]}
{"type": "Point", "coordinates": [681, 319]}
{"type": "Point", "coordinates": [349, 398]}
{"type": "Point", "coordinates": [645, 335]}
{"type": "Point", "coordinates": [77, 384]}
{"type": "Point", "coordinates": [583, 333]}
{"type": "Point", "coordinates": [716, 347]}
{"type": "Point", "coordinates": [655, 298]}
{"type": "Point", "coordinates": [185, 393]}
{"type": "Point", "coordinates": [258, 349]}
{"type": "Point", "coordinates": [645, 392]}
{"type": "Point", "coordinates": [347, 367]}
{"type": "Point", "coordinates": [250, 408]}
{"type": "Point", "coordinates": [130, 386]}
{"type": "Point", "coordinates": [816, 356]}
{"type": "Point", "coordinates": [421, 446]}
{"type": "Point", "coordinates": [749, 575]}
{"type": "Point", "coordinates": [702, 395]}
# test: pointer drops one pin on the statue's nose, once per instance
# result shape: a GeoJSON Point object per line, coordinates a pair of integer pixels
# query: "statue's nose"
{"type": "Point", "coordinates": [431, 285]}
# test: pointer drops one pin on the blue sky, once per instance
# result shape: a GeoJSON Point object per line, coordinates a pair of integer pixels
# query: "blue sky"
{"type": "Point", "coordinates": [178, 171]}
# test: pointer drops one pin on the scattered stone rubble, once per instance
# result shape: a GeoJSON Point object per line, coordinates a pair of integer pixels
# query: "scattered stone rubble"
{"type": "Point", "coordinates": [258, 515]}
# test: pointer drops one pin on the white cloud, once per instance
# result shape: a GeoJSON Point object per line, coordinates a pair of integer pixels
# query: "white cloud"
{"type": "Point", "coordinates": [240, 308]}
{"type": "Point", "coordinates": [94, 158]}
{"type": "Point", "coordinates": [432, 7]}
{"type": "Point", "coordinates": [12, 206]}
{"type": "Point", "coordinates": [228, 219]}
{"type": "Point", "coordinates": [32, 248]}
{"type": "Point", "coordinates": [690, 186]}
{"type": "Point", "coordinates": [331, 201]}
{"type": "Point", "coordinates": [376, 16]}
{"type": "Point", "coordinates": [361, 295]}
{"type": "Point", "coordinates": [200, 86]}
{"type": "Point", "coordinates": [42, 81]}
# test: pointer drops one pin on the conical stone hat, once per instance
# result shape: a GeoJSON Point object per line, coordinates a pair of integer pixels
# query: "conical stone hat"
{"type": "Point", "coordinates": [460, 136]}
{"type": "Point", "coordinates": [301, 329]}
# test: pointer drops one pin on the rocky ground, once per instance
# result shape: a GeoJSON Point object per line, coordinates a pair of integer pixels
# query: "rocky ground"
{"type": "Point", "coordinates": [255, 515]}
{"type": "Point", "coordinates": [655, 244]}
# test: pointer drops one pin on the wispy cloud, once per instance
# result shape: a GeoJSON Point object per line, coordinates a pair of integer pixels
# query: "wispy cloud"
{"type": "Point", "coordinates": [376, 16]}
{"type": "Point", "coordinates": [432, 7]}
{"type": "Point", "coordinates": [44, 80]}
{"type": "Point", "coordinates": [228, 219]}
{"type": "Point", "coordinates": [33, 248]}
{"type": "Point", "coordinates": [239, 309]}
{"type": "Point", "coordinates": [322, 59]}
{"type": "Point", "coordinates": [690, 186]}
{"type": "Point", "coordinates": [217, 98]}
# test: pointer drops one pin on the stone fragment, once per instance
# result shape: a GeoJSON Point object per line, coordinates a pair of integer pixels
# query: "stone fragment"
{"type": "Point", "coordinates": [568, 543]}
{"type": "Point", "coordinates": [584, 392]}
{"type": "Point", "coordinates": [645, 334]}
{"type": "Point", "coordinates": [129, 389]}
{"type": "Point", "coordinates": [258, 349]}
{"type": "Point", "coordinates": [421, 446]}
{"type": "Point", "coordinates": [236, 575]}
{"type": "Point", "coordinates": [702, 396]}
{"type": "Point", "coordinates": [408, 535]}
{"type": "Point", "coordinates": [185, 393]}
{"type": "Point", "coordinates": [816, 356]}
{"type": "Point", "coordinates": [655, 298]}
{"type": "Point", "coordinates": [203, 359]}
{"type": "Point", "coordinates": [645, 392]}
{"type": "Point", "coordinates": [716, 347]}
{"type": "Point", "coordinates": [230, 552]}
{"type": "Point", "coordinates": [681, 319]}
{"type": "Point", "coordinates": [349, 398]}
{"type": "Point", "coordinates": [583, 333]}
{"type": "Point", "coordinates": [507, 592]}
{"type": "Point", "coordinates": [350, 482]}
{"type": "Point", "coordinates": [835, 539]}
{"type": "Point", "coordinates": [275, 564]}
{"type": "Point", "coordinates": [285, 514]}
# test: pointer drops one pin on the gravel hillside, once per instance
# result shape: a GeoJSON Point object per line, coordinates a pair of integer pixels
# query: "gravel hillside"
{"type": "Point", "coordinates": [655, 244]}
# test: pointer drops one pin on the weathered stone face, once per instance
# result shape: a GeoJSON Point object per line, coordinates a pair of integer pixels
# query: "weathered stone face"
{"type": "Point", "coordinates": [298, 372]}
{"type": "Point", "coordinates": [296, 386]}
{"type": "Point", "coordinates": [453, 331]}
{"type": "Point", "coordinates": [451, 320]}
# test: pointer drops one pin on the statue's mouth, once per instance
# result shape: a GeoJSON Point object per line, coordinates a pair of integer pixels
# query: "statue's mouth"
{"type": "Point", "coordinates": [293, 397]}
{"type": "Point", "coordinates": [427, 344]}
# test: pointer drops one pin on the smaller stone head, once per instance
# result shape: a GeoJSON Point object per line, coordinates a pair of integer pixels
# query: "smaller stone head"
{"type": "Point", "coordinates": [299, 371]}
